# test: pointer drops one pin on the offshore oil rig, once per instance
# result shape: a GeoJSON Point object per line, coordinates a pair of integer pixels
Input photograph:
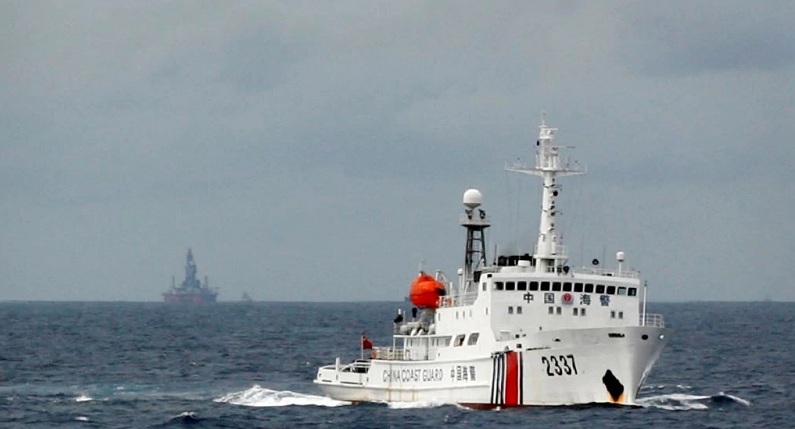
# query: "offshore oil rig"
{"type": "Point", "coordinates": [191, 290]}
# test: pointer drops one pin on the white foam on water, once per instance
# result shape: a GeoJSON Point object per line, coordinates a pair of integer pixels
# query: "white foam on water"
{"type": "Point", "coordinates": [685, 402]}
{"type": "Point", "coordinates": [83, 398]}
{"type": "Point", "coordinates": [258, 396]}
{"type": "Point", "coordinates": [659, 386]}
{"type": "Point", "coordinates": [413, 405]}
{"type": "Point", "coordinates": [674, 402]}
{"type": "Point", "coordinates": [81, 418]}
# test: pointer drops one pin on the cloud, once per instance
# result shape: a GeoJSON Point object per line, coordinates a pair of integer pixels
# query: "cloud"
{"type": "Point", "coordinates": [683, 38]}
{"type": "Point", "coordinates": [272, 137]}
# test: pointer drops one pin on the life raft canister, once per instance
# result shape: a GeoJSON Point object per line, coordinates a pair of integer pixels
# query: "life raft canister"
{"type": "Point", "coordinates": [425, 291]}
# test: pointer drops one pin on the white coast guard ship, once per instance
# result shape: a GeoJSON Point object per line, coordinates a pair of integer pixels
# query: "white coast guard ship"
{"type": "Point", "coordinates": [524, 330]}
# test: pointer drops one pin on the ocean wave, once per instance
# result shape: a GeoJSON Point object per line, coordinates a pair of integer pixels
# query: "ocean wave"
{"type": "Point", "coordinates": [185, 417]}
{"type": "Point", "coordinates": [258, 396]}
{"type": "Point", "coordinates": [182, 419]}
{"type": "Point", "coordinates": [726, 398]}
{"type": "Point", "coordinates": [686, 402]}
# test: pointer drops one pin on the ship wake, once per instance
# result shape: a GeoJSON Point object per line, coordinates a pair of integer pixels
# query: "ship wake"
{"type": "Point", "coordinates": [413, 405]}
{"type": "Point", "coordinates": [258, 396]}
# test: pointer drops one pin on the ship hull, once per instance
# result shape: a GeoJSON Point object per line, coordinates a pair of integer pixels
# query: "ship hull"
{"type": "Point", "coordinates": [186, 298]}
{"type": "Point", "coordinates": [605, 365]}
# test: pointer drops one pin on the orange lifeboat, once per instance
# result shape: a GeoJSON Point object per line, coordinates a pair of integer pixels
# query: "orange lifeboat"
{"type": "Point", "coordinates": [425, 291]}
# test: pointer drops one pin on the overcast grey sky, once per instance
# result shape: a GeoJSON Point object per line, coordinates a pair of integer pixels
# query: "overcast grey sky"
{"type": "Point", "coordinates": [319, 150]}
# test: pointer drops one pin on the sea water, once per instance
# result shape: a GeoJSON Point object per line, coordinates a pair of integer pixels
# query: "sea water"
{"type": "Point", "coordinates": [251, 365]}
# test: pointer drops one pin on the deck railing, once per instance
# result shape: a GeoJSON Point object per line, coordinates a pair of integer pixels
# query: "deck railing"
{"type": "Point", "coordinates": [630, 274]}
{"type": "Point", "coordinates": [458, 300]}
{"type": "Point", "coordinates": [652, 319]}
{"type": "Point", "coordinates": [388, 353]}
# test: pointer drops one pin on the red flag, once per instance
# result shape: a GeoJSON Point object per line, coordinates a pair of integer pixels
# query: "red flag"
{"type": "Point", "coordinates": [366, 344]}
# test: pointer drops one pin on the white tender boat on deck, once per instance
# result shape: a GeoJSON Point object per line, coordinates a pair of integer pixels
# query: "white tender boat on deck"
{"type": "Point", "coordinates": [523, 330]}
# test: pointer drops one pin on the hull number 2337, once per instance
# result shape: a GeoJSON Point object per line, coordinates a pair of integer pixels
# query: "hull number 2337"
{"type": "Point", "coordinates": [559, 365]}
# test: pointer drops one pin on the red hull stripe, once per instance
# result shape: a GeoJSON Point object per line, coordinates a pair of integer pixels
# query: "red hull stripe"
{"type": "Point", "coordinates": [506, 379]}
{"type": "Point", "coordinates": [512, 378]}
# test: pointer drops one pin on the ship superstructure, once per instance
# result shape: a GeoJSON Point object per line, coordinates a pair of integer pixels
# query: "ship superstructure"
{"type": "Point", "coordinates": [525, 329]}
{"type": "Point", "coordinates": [191, 290]}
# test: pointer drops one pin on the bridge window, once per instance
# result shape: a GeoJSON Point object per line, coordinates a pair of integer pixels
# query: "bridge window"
{"type": "Point", "coordinates": [611, 290]}
{"type": "Point", "coordinates": [473, 339]}
{"type": "Point", "coordinates": [544, 285]}
{"type": "Point", "coordinates": [533, 285]}
{"type": "Point", "coordinates": [633, 292]}
{"type": "Point", "coordinates": [600, 288]}
{"type": "Point", "coordinates": [588, 288]}
{"type": "Point", "coordinates": [577, 287]}
{"type": "Point", "coordinates": [556, 287]}
{"type": "Point", "coordinates": [510, 285]}
{"type": "Point", "coordinates": [566, 287]}
{"type": "Point", "coordinates": [521, 286]}
{"type": "Point", "coordinates": [459, 341]}
{"type": "Point", "coordinates": [498, 285]}
{"type": "Point", "coordinates": [622, 290]}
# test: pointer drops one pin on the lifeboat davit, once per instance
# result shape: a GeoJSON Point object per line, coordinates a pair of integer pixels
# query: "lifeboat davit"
{"type": "Point", "coordinates": [425, 291]}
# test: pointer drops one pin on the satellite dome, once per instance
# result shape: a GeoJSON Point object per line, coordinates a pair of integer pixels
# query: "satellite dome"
{"type": "Point", "coordinates": [472, 198]}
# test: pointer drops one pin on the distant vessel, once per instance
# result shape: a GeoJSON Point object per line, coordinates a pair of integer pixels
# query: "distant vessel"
{"type": "Point", "coordinates": [246, 297]}
{"type": "Point", "coordinates": [191, 290]}
{"type": "Point", "coordinates": [527, 329]}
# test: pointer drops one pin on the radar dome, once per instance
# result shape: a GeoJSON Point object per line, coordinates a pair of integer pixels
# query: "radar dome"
{"type": "Point", "coordinates": [472, 198]}
{"type": "Point", "coordinates": [620, 256]}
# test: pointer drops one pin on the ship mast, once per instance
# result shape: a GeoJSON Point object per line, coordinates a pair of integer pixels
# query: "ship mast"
{"type": "Point", "coordinates": [549, 252]}
{"type": "Point", "coordinates": [475, 221]}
